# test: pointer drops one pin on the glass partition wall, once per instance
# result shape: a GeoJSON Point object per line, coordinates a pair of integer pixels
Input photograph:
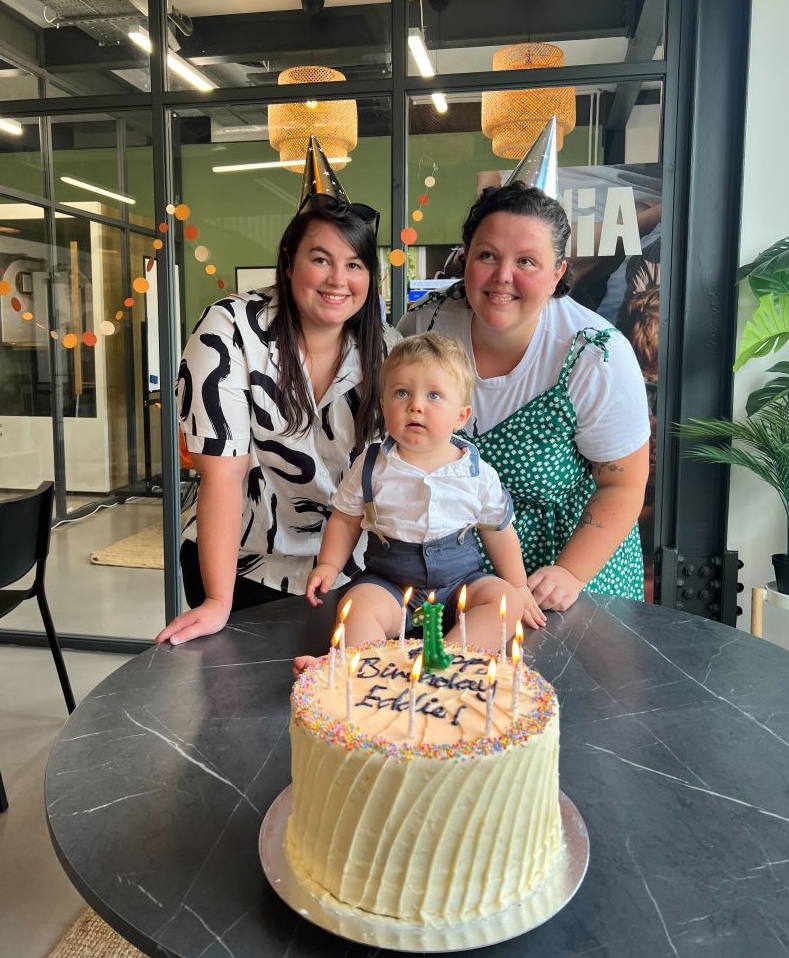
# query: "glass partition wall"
{"type": "Point", "coordinates": [142, 186]}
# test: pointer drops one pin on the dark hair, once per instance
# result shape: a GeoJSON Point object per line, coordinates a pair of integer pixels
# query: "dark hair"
{"type": "Point", "coordinates": [365, 327]}
{"type": "Point", "coordinates": [524, 201]}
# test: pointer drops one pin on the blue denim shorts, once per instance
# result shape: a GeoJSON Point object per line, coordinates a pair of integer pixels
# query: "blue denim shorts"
{"type": "Point", "coordinates": [441, 566]}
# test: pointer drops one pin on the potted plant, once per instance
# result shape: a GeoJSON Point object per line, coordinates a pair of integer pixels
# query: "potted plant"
{"type": "Point", "coordinates": [760, 441]}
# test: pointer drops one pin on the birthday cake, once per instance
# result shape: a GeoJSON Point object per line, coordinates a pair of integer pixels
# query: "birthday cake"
{"type": "Point", "coordinates": [438, 802]}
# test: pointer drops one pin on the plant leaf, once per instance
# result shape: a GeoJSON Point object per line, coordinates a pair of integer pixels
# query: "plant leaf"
{"type": "Point", "coordinates": [766, 331]}
{"type": "Point", "coordinates": [782, 246]}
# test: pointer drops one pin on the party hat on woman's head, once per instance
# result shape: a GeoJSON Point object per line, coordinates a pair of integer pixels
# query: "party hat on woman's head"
{"type": "Point", "coordinates": [540, 167]}
{"type": "Point", "coordinates": [319, 177]}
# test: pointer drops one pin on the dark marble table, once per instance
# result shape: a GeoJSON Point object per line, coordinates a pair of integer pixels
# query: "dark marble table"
{"type": "Point", "coordinates": [675, 749]}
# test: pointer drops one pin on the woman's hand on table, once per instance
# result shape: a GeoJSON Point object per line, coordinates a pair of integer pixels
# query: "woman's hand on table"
{"type": "Point", "coordinates": [553, 587]}
{"type": "Point", "coordinates": [205, 619]}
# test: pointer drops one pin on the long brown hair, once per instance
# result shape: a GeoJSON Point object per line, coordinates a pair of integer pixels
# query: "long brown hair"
{"type": "Point", "coordinates": [364, 328]}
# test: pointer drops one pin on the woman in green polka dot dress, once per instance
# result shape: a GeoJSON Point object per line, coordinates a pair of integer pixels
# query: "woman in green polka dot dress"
{"type": "Point", "coordinates": [559, 405]}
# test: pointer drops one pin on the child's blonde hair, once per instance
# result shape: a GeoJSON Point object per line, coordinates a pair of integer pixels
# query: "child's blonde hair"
{"type": "Point", "coordinates": [424, 347]}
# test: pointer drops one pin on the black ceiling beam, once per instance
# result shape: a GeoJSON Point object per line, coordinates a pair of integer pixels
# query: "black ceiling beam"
{"type": "Point", "coordinates": [352, 35]}
{"type": "Point", "coordinates": [642, 46]}
{"type": "Point", "coordinates": [466, 23]}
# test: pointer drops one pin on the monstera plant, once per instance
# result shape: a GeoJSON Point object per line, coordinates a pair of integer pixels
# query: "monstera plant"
{"type": "Point", "coordinates": [760, 441]}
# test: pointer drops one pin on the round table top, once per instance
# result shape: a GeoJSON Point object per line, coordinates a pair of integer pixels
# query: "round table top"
{"type": "Point", "coordinates": [674, 748]}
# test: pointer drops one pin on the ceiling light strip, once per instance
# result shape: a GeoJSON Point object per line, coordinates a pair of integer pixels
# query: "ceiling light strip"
{"type": "Point", "coordinates": [271, 165]}
{"type": "Point", "coordinates": [97, 189]}
{"type": "Point", "coordinates": [11, 126]}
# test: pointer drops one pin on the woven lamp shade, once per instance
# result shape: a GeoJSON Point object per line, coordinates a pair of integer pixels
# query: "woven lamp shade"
{"type": "Point", "coordinates": [333, 122]}
{"type": "Point", "coordinates": [514, 119]}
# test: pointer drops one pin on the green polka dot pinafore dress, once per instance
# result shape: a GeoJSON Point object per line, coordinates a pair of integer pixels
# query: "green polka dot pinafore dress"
{"type": "Point", "coordinates": [550, 482]}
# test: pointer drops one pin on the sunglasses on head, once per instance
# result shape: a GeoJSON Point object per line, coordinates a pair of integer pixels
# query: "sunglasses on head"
{"type": "Point", "coordinates": [325, 201]}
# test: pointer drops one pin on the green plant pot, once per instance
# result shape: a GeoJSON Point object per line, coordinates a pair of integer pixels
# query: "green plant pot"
{"type": "Point", "coordinates": [781, 567]}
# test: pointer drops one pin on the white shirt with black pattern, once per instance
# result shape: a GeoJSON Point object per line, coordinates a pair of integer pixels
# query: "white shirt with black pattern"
{"type": "Point", "coordinates": [227, 389]}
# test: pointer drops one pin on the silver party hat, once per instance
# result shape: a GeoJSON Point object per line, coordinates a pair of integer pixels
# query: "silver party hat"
{"type": "Point", "coordinates": [540, 167]}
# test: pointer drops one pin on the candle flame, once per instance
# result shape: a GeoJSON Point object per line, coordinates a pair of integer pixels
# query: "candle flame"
{"type": "Point", "coordinates": [345, 610]}
{"type": "Point", "coordinates": [416, 671]}
{"type": "Point", "coordinates": [519, 631]}
{"type": "Point", "coordinates": [338, 634]}
{"type": "Point", "coordinates": [353, 665]}
{"type": "Point", "coordinates": [462, 600]}
{"type": "Point", "coordinates": [503, 608]}
{"type": "Point", "coordinates": [407, 595]}
{"type": "Point", "coordinates": [516, 651]}
{"type": "Point", "coordinates": [432, 597]}
{"type": "Point", "coordinates": [491, 672]}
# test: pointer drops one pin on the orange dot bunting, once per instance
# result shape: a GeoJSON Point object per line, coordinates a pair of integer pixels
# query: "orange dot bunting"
{"type": "Point", "coordinates": [423, 199]}
{"type": "Point", "coordinates": [119, 314]}
{"type": "Point", "coordinates": [106, 328]}
{"type": "Point", "coordinates": [5, 287]}
{"type": "Point", "coordinates": [128, 302]}
{"type": "Point", "coordinates": [210, 269]}
{"type": "Point", "coordinates": [397, 257]}
{"type": "Point", "coordinates": [89, 338]}
{"type": "Point", "coordinates": [141, 285]}
{"type": "Point", "coordinates": [70, 340]}
{"type": "Point", "coordinates": [417, 216]}
{"type": "Point", "coordinates": [27, 315]}
{"type": "Point", "coordinates": [408, 236]}
{"type": "Point", "coordinates": [191, 232]}
{"type": "Point", "coordinates": [181, 212]}
{"type": "Point", "coordinates": [157, 244]}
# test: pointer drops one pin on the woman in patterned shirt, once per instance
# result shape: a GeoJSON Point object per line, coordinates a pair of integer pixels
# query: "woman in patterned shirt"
{"type": "Point", "coordinates": [278, 392]}
{"type": "Point", "coordinates": [559, 405]}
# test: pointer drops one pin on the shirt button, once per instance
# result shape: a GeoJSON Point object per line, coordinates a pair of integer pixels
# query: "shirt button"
{"type": "Point", "coordinates": [324, 472]}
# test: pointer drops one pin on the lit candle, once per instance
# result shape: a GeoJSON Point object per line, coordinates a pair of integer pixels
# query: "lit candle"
{"type": "Point", "coordinates": [435, 655]}
{"type": "Point", "coordinates": [416, 671]}
{"type": "Point", "coordinates": [353, 665]}
{"type": "Point", "coordinates": [489, 700]}
{"type": "Point", "coordinates": [333, 654]}
{"type": "Point", "coordinates": [340, 633]}
{"type": "Point", "coordinates": [517, 657]}
{"type": "Point", "coordinates": [462, 618]}
{"type": "Point", "coordinates": [345, 610]}
{"type": "Point", "coordinates": [503, 614]}
{"type": "Point", "coordinates": [406, 599]}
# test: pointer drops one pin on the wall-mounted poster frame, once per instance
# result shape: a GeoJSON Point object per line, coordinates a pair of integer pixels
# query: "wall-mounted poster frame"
{"type": "Point", "coordinates": [254, 277]}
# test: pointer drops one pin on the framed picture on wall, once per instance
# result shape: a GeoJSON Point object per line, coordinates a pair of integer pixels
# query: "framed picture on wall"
{"type": "Point", "coordinates": [254, 277]}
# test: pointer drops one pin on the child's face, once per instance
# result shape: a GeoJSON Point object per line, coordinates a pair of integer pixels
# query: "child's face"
{"type": "Point", "coordinates": [422, 406]}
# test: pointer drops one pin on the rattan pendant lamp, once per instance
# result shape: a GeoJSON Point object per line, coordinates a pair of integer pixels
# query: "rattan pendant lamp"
{"type": "Point", "coordinates": [333, 122]}
{"type": "Point", "coordinates": [514, 119]}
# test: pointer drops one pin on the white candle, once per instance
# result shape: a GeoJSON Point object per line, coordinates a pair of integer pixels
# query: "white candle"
{"type": "Point", "coordinates": [343, 616]}
{"type": "Point", "coordinates": [517, 659]}
{"type": "Point", "coordinates": [503, 614]}
{"type": "Point", "coordinates": [353, 665]}
{"type": "Point", "coordinates": [333, 656]}
{"type": "Point", "coordinates": [340, 634]}
{"type": "Point", "coordinates": [462, 618]}
{"type": "Point", "coordinates": [416, 671]}
{"type": "Point", "coordinates": [406, 599]}
{"type": "Point", "coordinates": [489, 700]}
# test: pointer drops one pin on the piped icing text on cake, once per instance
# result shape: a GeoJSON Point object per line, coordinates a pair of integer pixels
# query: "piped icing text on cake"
{"type": "Point", "coordinates": [450, 705]}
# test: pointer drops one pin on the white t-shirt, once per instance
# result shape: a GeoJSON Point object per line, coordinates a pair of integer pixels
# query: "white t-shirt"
{"type": "Point", "coordinates": [417, 506]}
{"type": "Point", "coordinates": [609, 397]}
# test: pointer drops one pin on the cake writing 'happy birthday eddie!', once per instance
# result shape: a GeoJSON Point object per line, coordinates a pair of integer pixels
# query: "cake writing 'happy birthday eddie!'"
{"type": "Point", "coordinates": [425, 796]}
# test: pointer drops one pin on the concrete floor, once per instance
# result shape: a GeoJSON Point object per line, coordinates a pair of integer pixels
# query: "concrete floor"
{"type": "Point", "coordinates": [37, 900]}
{"type": "Point", "coordinates": [88, 599]}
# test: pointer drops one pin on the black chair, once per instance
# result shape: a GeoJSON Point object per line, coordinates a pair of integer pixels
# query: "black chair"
{"type": "Point", "coordinates": [24, 543]}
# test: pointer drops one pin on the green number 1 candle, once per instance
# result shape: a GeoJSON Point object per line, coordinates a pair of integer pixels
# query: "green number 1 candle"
{"type": "Point", "coordinates": [435, 656]}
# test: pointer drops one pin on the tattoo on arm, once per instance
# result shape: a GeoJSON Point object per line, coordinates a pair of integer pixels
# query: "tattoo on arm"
{"type": "Point", "coordinates": [598, 468]}
{"type": "Point", "coordinates": [587, 519]}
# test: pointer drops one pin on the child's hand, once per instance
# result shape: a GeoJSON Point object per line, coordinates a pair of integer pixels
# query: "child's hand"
{"type": "Point", "coordinates": [322, 577]}
{"type": "Point", "coordinates": [532, 614]}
